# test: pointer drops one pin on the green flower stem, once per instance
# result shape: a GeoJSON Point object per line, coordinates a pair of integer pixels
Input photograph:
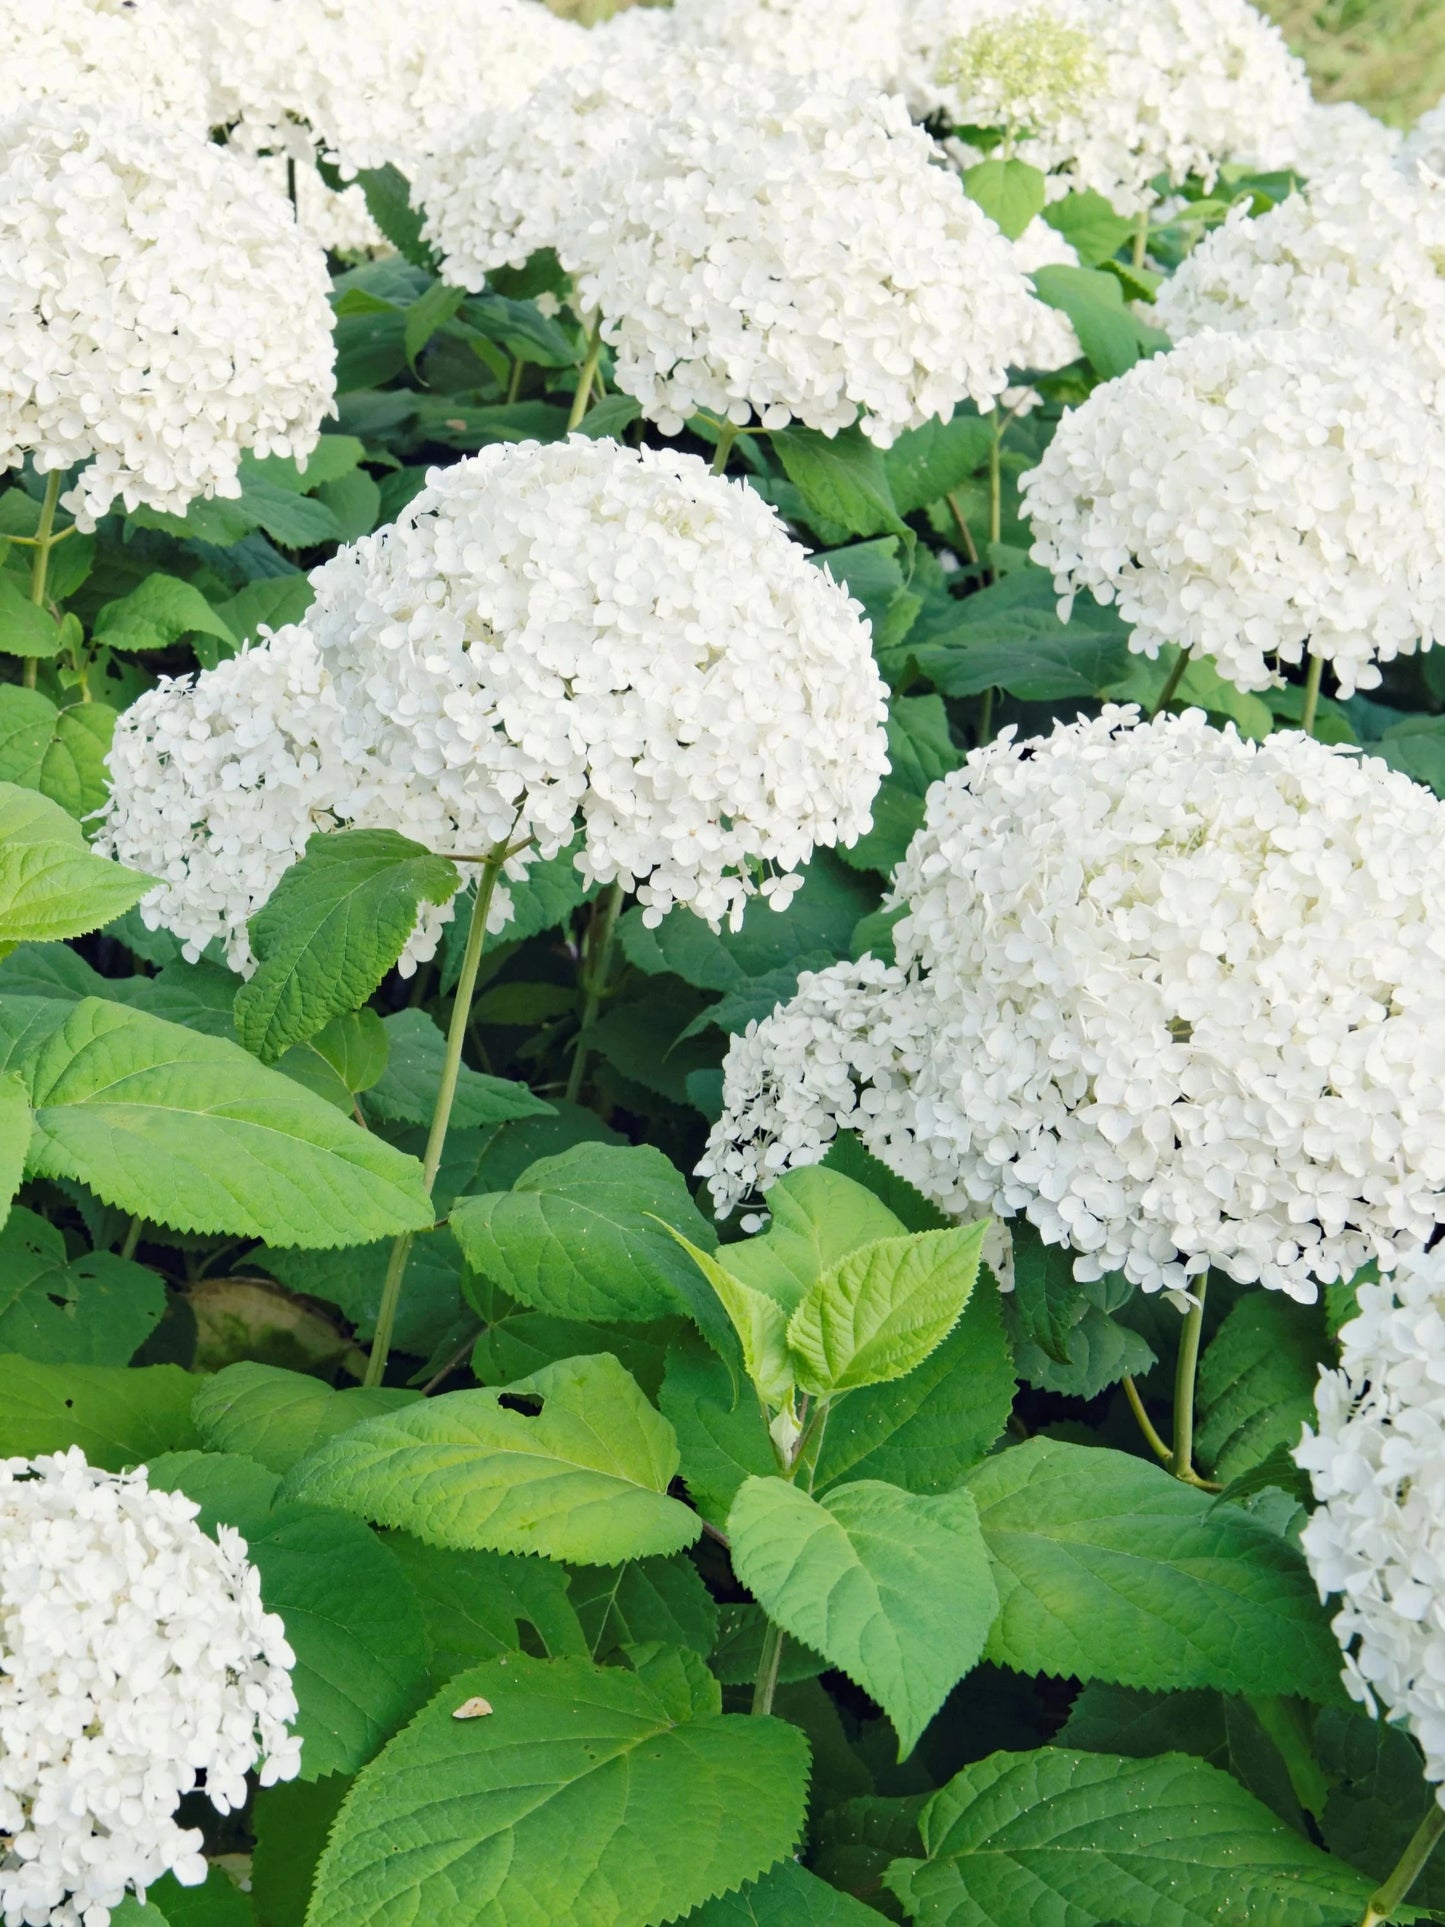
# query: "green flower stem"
{"type": "Point", "coordinates": [441, 1116]}
{"type": "Point", "coordinates": [132, 1238]}
{"type": "Point", "coordinates": [1146, 1425]}
{"type": "Point", "coordinates": [727, 436]}
{"type": "Point", "coordinates": [597, 961]}
{"type": "Point", "coordinates": [985, 717]}
{"type": "Point", "coordinates": [995, 483]}
{"type": "Point", "coordinates": [1182, 1458]}
{"type": "Point", "coordinates": [40, 562]}
{"type": "Point", "coordinates": [1312, 694]}
{"type": "Point", "coordinates": [1141, 238]}
{"type": "Point", "coordinates": [583, 395]}
{"type": "Point", "coordinates": [1407, 1872]}
{"type": "Point", "coordinates": [514, 385]}
{"type": "Point", "coordinates": [769, 1666]}
{"type": "Point", "coordinates": [1171, 685]}
{"type": "Point", "coordinates": [965, 533]}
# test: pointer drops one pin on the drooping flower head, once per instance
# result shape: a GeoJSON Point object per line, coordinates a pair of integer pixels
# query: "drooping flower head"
{"type": "Point", "coordinates": [1355, 253]}
{"type": "Point", "coordinates": [94, 53]}
{"type": "Point", "coordinates": [1257, 495]}
{"type": "Point", "coordinates": [162, 315]}
{"type": "Point", "coordinates": [1178, 998]}
{"type": "Point", "coordinates": [1376, 1460]}
{"type": "Point", "coordinates": [585, 630]}
{"type": "Point", "coordinates": [136, 1661]}
{"type": "Point", "coordinates": [1110, 97]}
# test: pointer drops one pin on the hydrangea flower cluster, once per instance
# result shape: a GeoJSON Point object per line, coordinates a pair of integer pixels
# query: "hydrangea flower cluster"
{"type": "Point", "coordinates": [548, 632]}
{"type": "Point", "coordinates": [1356, 253]}
{"type": "Point", "coordinates": [1340, 136]}
{"type": "Point", "coordinates": [1377, 1537]}
{"type": "Point", "coordinates": [762, 246]}
{"type": "Point", "coordinates": [1104, 1027]}
{"type": "Point", "coordinates": [91, 53]}
{"type": "Point", "coordinates": [1424, 145]}
{"type": "Point", "coordinates": [583, 629]}
{"type": "Point", "coordinates": [856, 39]}
{"type": "Point", "coordinates": [1107, 96]}
{"type": "Point", "coordinates": [163, 315]}
{"type": "Point", "coordinates": [1256, 495]}
{"type": "Point", "coordinates": [217, 782]}
{"type": "Point", "coordinates": [136, 1664]}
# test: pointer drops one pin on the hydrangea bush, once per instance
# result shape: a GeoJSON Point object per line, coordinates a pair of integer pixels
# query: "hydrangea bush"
{"type": "Point", "coordinates": [722, 983]}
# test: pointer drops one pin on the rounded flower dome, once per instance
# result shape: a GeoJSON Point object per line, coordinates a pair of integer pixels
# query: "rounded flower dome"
{"type": "Point", "coordinates": [1255, 495]}
{"type": "Point", "coordinates": [580, 628]}
{"type": "Point", "coordinates": [1178, 998]}
{"type": "Point", "coordinates": [136, 1662]}
{"type": "Point", "coordinates": [93, 53]}
{"type": "Point", "coordinates": [790, 250]}
{"type": "Point", "coordinates": [854, 39]}
{"type": "Point", "coordinates": [1358, 253]}
{"type": "Point", "coordinates": [1376, 1461]}
{"type": "Point", "coordinates": [1111, 97]}
{"type": "Point", "coordinates": [162, 315]}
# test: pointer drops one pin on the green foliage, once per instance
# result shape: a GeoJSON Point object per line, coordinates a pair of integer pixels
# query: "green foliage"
{"type": "Point", "coordinates": [93, 1310]}
{"type": "Point", "coordinates": [59, 751]}
{"type": "Point", "coordinates": [277, 1417]}
{"type": "Point", "coordinates": [117, 1416]}
{"type": "Point", "coordinates": [1011, 191]}
{"type": "Point", "coordinates": [627, 1778]}
{"type": "Point", "coordinates": [330, 931]}
{"type": "Point", "coordinates": [158, 612]}
{"type": "Point", "coordinates": [50, 884]}
{"type": "Point", "coordinates": [892, 1588]}
{"type": "Point", "coordinates": [406, 1090]}
{"type": "Point", "coordinates": [581, 1475]}
{"type": "Point", "coordinates": [585, 1235]}
{"type": "Point", "coordinates": [1109, 1569]}
{"type": "Point", "coordinates": [842, 477]}
{"type": "Point", "coordinates": [1256, 1382]}
{"type": "Point", "coordinates": [1107, 1842]}
{"type": "Point", "coordinates": [191, 1131]}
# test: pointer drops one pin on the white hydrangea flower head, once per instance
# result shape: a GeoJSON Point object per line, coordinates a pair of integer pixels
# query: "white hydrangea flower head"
{"type": "Point", "coordinates": [515, 179]}
{"type": "Point", "coordinates": [135, 1658]}
{"type": "Point", "coordinates": [841, 1055]}
{"type": "Point", "coordinates": [1354, 254]}
{"type": "Point", "coordinates": [585, 630]}
{"type": "Point", "coordinates": [1177, 998]}
{"type": "Point", "coordinates": [855, 39]}
{"type": "Point", "coordinates": [1109, 97]}
{"type": "Point", "coordinates": [1254, 495]}
{"type": "Point", "coordinates": [1341, 136]}
{"type": "Point", "coordinates": [1424, 145]}
{"type": "Point", "coordinates": [162, 313]}
{"type": "Point", "coordinates": [286, 160]}
{"type": "Point", "coordinates": [375, 81]}
{"type": "Point", "coordinates": [1376, 1460]}
{"type": "Point", "coordinates": [217, 782]}
{"type": "Point", "coordinates": [789, 250]}
{"type": "Point", "coordinates": [93, 53]}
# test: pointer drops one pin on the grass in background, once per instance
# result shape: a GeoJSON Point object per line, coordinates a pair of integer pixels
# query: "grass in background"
{"type": "Point", "coordinates": [1390, 54]}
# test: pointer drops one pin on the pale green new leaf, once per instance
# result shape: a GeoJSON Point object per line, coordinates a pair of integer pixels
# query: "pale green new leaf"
{"type": "Point", "coordinates": [14, 1137]}
{"type": "Point", "coordinates": [1093, 1840]}
{"type": "Point", "coordinates": [892, 1587]}
{"type": "Point", "coordinates": [882, 1311]}
{"type": "Point", "coordinates": [588, 1795]}
{"type": "Point", "coordinates": [760, 1322]}
{"type": "Point", "coordinates": [276, 1417]}
{"type": "Point", "coordinates": [51, 885]}
{"type": "Point", "coordinates": [586, 1235]}
{"type": "Point", "coordinates": [190, 1131]}
{"type": "Point", "coordinates": [1108, 1568]}
{"type": "Point", "coordinates": [332, 928]}
{"type": "Point", "coordinates": [95, 1310]}
{"type": "Point", "coordinates": [575, 1465]}
{"type": "Point", "coordinates": [818, 1218]}
{"type": "Point", "coordinates": [118, 1415]}
{"type": "Point", "coordinates": [59, 752]}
